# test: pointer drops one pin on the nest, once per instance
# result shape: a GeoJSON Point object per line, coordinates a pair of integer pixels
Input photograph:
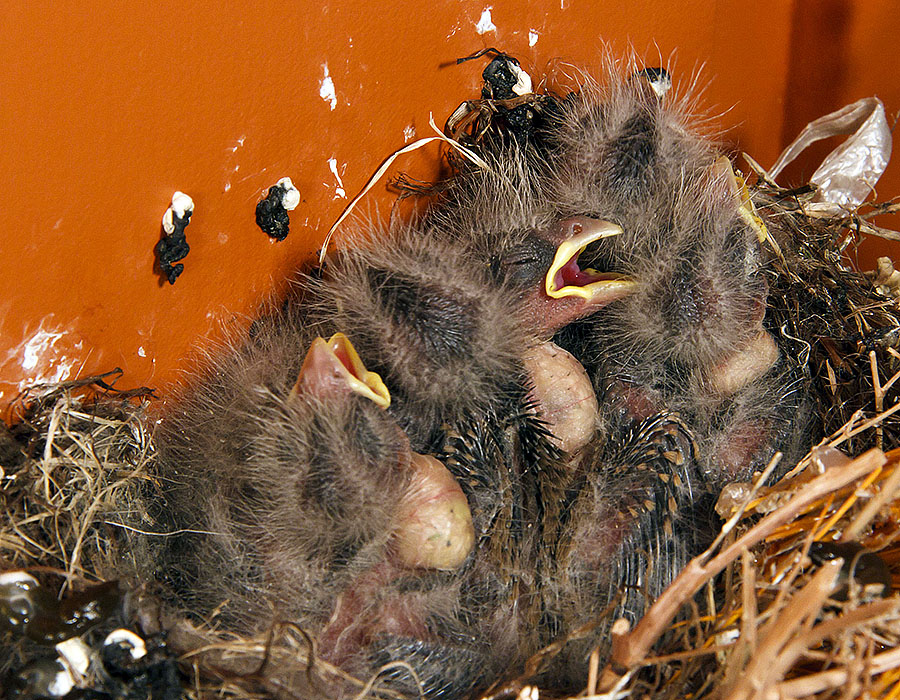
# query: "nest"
{"type": "Point", "coordinates": [749, 618]}
{"type": "Point", "coordinates": [843, 329]}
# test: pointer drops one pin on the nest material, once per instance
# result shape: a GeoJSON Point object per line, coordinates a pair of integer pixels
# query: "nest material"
{"type": "Point", "coordinates": [843, 329]}
{"type": "Point", "coordinates": [762, 625]}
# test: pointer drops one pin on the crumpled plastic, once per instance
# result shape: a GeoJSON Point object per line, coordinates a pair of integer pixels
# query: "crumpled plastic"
{"type": "Point", "coordinates": [847, 176]}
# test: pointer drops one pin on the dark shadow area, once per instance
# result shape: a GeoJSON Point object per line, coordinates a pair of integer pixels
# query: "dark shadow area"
{"type": "Point", "coordinates": [817, 76]}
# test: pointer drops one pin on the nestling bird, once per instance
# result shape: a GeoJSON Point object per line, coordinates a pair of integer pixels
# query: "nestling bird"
{"type": "Point", "coordinates": [277, 467]}
{"type": "Point", "coordinates": [692, 338]}
{"type": "Point", "coordinates": [309, 479]}
{"type": "Point", "coordinates": [278, 489]}
{"type": "Point", "coordinates": [690, 334]}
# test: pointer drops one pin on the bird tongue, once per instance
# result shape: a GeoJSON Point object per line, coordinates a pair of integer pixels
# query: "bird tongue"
{"type": "Point", "coordinates": [333, 366]}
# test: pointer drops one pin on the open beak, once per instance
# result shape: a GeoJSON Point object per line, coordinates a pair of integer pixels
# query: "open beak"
{"type": "Point", "coordinates": [332, 366]}
{"type": "Point", "coordinates": [566, 279]}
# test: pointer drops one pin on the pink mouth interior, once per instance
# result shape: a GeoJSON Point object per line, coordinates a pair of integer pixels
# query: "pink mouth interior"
{"type": "Point", "coordinates": [340, 352]}
{"type": "Point", "coordinates": [570, 275]}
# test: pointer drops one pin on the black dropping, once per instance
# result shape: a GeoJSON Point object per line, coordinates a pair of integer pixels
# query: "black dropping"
{"type": "Point", "coordinates": [35, 680]}
{"type": "Point", "coordinates": [173, 247]}
{"type": "Point", "coordinates": [271, 216]}
{"type": "Point", "coordinates": [517, 115]}
{"type": "Point", "coordinates": [152, 677]}
{"type": "Point", "coordinates": [500, 78]}
{"type": "Point", "coordinates": [860, 565]}
{"type": "Point", "coordinates": [655, 75]}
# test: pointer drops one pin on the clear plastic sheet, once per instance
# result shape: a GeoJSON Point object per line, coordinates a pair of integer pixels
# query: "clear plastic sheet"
{"type": "Point", "coordinates": [848, 174]}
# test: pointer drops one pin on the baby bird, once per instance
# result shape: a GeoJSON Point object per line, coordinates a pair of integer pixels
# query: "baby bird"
{"type": "Point", "coordinates": [261, 471]}
{"type": "Point", "coordinates": [277, 466]}
{"type": "Point", "coordinates": [691, 337]}
{"type": "Point", "coordinates": [302, 501]}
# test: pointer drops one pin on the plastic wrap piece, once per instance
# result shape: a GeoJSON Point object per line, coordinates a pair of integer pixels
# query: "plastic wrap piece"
{"type": "Point", "coordinates": [849, 173]}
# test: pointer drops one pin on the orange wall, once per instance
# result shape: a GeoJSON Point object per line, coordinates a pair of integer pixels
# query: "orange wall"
{"type": "Point", "coordinates": [107, 108]}
{"type": "Point", "coordinates": [841, 51]}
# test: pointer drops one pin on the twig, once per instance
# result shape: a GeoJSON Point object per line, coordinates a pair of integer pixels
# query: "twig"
{"type": "Point", "coordinates": [630, 647]}
{"type": "Point", "coordinates": [780, 630]}
{"type": "Point", "coordinates": [885, 494]}
{"type": "Point", "coordinates": [772, 667]}
{"type": "Point", "coordinates": [833, 678]}
{"type": "Point", "coordinates": [879, 398]}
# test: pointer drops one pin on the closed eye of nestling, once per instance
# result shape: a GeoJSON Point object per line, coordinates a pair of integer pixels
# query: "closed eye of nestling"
{"type": "Point", "coordinates": [523, 264]}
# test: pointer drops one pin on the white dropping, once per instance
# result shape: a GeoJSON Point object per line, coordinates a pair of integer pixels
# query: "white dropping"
{"type": "Point", "coordinates": [126, 638]}
{"type": "Point", "coordinates": [533, 37]}
{"type": "Point", "coordinates": [181, 204]}
{"type": "Point", "coordinates": [19, 579]}
{"type": "Point", "coordinates": [485, 24]}
{"type": "Point", "coordinates": [726, 639]}
{"type": "Point", "coordinates": [62, 683]}
{"type": "Point", "coordinates": [40, 348]}
{"type": "Point", "coordinates": [75, 656]}
{"type": "Point", "coordinates": [339, 190]}
{"type": "Point", "coordinates": [326, 88]}
{"type": "Point", "coordinates": [291, 197]}
{"type": "Point", "coordinates": [523, 80]}
{"type": "Point", "coordinates": [37, 346]}
{"type": "Point", "coordinates": [661, 84]}
{"type": "Point", "coordinates": [141, 352]}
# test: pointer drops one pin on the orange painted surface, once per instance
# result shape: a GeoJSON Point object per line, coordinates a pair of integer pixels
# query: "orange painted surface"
{"type": "Point", "coordinates": [107, 108]}
{"type": "Point", "coordinates": [842, 52]}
